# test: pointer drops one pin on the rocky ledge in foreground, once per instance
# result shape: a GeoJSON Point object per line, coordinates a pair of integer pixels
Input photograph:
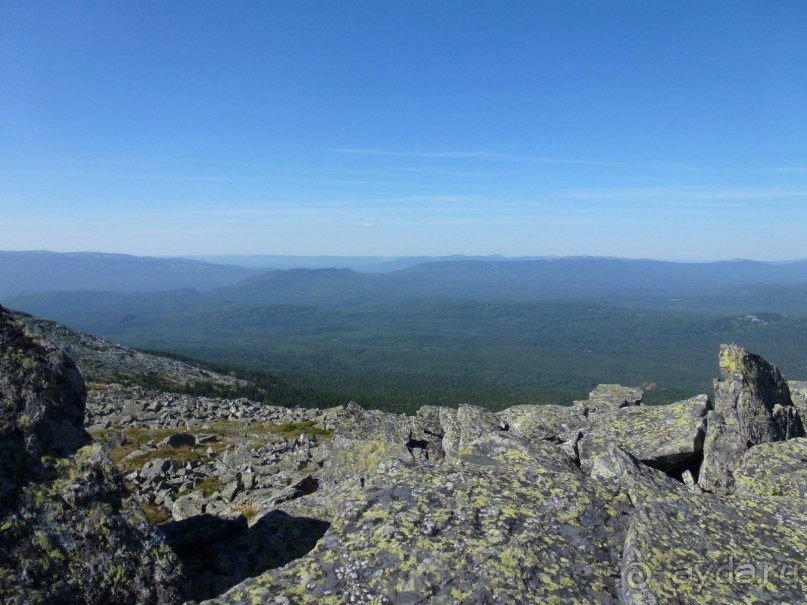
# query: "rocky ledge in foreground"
{"type": "Point", "coordinates": [69, 530]}
{"type": "Point", "coordinates": [604, 501]}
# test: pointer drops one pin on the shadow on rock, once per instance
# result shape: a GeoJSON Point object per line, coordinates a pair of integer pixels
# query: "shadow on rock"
{"type": "Point", "coordinates": [219, 553]}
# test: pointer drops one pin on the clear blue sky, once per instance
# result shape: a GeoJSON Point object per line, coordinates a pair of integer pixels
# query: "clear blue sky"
{"type": "Point", "coordinates": [674, 130]}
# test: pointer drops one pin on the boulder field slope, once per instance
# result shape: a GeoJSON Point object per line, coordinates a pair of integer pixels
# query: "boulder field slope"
{"type": "Point", "coordinates": [603, 501]}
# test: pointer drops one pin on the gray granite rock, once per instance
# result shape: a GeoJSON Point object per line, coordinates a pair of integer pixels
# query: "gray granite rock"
{"type": "Point", "coordinates": [69, 531]}
{"type": "Point", "coordinates": [747, 395]}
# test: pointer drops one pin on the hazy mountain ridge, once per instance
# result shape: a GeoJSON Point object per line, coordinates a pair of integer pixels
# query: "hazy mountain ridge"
{"type": "Point", "coordinates": [23, 273]}
{"type": "Point", "coordinates": [43, 271]}
{"type": "Point", "coordinates": [507, 331]}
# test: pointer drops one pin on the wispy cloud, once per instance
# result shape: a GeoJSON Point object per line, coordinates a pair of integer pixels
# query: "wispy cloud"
{"type": "Point", "coordinates": [682, 193]}
{"type": "Point", "coordinates": [480, 222]}
{"type": "Point", "coordinates": [508, 157]}
{"type": "Point", "coordinates": [122, 175]}
{"type": "Point", "coordinates": [788, 169]}
{"type": "Point", "coordinates": [419, 154]}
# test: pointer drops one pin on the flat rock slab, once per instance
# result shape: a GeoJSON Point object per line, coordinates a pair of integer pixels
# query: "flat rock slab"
{"type": "Point", "coordinates": [774, 469]}
{"type": "Point", "coordinates": [710, 550]}
{"type": "Point", "coordinates": [666, 437]}
{"type": "Point", "coordinates": [608, 398]}
{"type": "Point", "coordinates": [455, 532]}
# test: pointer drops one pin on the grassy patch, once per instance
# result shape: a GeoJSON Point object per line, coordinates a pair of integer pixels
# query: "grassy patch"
{"type": "Point", "coordinates": [180, 455]}
{"type": "Point", "coordinates": [209, 485]}
{"type": "Point", "coordinates": [136, 438]}
{"type": "Point", "coordinates": [250, 511]}
{"type": "Point", "coordinates": [295, 429]}
{"type": "Point", "coordinates": [156, 514]}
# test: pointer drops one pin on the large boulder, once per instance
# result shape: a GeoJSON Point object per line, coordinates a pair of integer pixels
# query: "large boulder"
{"type": "Point", "coordinates": [69, 531]}
{"type": "Point", "coordinates": [608, 398]}
{"type": "Point", "coordinates": [753, 406]}
{"type": "Point", "coordinates": [666, 437]}
{"type": "Point", "coordinates": [558, 424]}
{"type": "Point", "coordinates": [723, 448]}
{"type": "Point", "coordinates": [798, 393]}
{"type": "Point", "coordinates": [754, 398]}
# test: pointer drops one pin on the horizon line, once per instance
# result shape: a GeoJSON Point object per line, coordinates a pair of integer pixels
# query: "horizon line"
{"type": "Point", "coordinates": [391, 257]}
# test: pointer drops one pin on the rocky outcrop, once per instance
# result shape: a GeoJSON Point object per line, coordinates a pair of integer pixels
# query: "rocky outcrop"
{"type": "Point", "coordinates": [668, 437]}
{"type": "Point", "coordinates": [103, 361]}
{"type": "Point", "coordinates": [753, 406]}
{"type": "Point", "coordinates": [69, 531]}
{"type": "Point", "coordinates": [495, 521]}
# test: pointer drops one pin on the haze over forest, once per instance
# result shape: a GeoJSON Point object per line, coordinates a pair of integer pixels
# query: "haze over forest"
{"type": "Point", "coordinates": [495, 331]}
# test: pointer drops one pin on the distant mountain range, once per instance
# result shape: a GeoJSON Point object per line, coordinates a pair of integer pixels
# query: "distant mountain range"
{"type": "Point", "coordinates": [362, 264]}
{"type": "Point", "coordinates": [43, 271]}
{"type": "Point", "coordinates": [500, 278]}
{"type": "Point", "coordinates": [495, 330]}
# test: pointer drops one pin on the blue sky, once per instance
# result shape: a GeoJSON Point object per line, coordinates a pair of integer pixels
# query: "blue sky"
{"type": "Point", "coordinates": [673, 130]}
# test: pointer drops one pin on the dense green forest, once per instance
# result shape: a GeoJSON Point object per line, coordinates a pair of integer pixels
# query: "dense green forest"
{"type": "Point", "coordinates": [402, 355]}
{"type": "Point", "coordinates": [428, 335]}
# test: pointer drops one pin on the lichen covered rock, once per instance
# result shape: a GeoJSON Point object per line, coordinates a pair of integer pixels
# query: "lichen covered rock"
{"type": "Point", "coordinates": [700, 548]}
{"type": "Point", "coordinates": [69, 531]}
{"type": "Point", "coordinates": [486, 526]}
{"type": "Point", "coordinates": [754, 398]}
{"type": "Point", "coordinates": [667, 437]}
{"type": "Point", "coordinates": [774, 469]}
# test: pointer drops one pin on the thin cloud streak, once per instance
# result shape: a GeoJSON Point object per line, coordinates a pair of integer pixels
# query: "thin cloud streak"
{"type": "Point", "coordinates": [506, 157]}
{"type": "Point", "coordinates": [121, 175]}
{"type": "Point", "coordinates": [682, 193]}
{"type": "Point", "coordinates": [788, 169]}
